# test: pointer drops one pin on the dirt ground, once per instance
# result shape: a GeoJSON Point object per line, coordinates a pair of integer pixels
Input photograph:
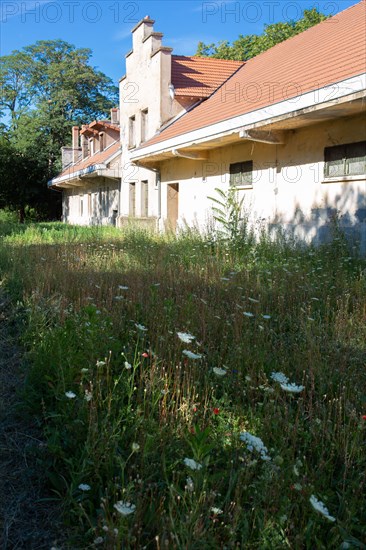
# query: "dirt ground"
{"type": "Point", "coordinates": [28, 520]}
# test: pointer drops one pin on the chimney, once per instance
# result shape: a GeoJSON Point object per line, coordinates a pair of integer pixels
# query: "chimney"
{"type": "Point", "coordinates": [75, 143]}
{"type": "Point", "coordinates": [115, 116]}
{"type": "Point", "coordinates": [84, 145]}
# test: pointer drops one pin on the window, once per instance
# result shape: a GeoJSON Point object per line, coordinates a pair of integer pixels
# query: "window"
{"type": "Point", "coordinates": [241, 174]}
{"type": "Point", "coordinates": [132, 132]}
{"type": "Point", "coordinates": [345, 160]}
{"type": "Point", "coordinates": [132, 201]}
{"type": "Point", "coordinates": [144, 199]}
{"type": "Point", "coordinates": [144, 125]}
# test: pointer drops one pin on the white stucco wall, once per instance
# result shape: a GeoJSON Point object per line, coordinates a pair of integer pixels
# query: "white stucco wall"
{"type": "Point", "coordinates": [145, 86]}
{"type": "Point", "coordinates": [288, 184]}
{"type": "Point", "coordinates": [99, 199]}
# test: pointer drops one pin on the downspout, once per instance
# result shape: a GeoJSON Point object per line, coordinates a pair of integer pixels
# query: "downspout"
{"type": "Point", "coordinates": [187, 155]}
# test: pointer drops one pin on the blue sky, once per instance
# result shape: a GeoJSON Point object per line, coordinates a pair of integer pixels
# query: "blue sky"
{"type": "Point", "coordinates": [105, 25]}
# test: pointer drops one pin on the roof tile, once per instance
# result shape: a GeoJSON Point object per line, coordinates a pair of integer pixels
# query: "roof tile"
{"type": "Point", "coordinates": [200, 76]}
{"type": "Point", "coordinates": [325, 54]}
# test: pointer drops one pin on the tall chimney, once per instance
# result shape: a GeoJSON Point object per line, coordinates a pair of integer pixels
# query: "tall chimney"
{"type": "Point", "coordinates": [115, 116]}
{"type": "Point", "coordinates": [84, 146]}
{"type": "Point", "coordinates": [75, 143]}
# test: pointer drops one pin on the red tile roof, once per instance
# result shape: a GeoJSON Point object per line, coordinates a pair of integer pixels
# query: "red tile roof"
{"type": "Point", "coordinates": [327, 53]}
{"type": "Point", "coordinates": [97, 158]}
{"type": "Point", "coordinates": [200, 76]}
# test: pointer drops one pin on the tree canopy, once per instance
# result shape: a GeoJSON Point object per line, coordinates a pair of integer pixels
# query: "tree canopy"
{"type": "Point", "coordinates": [250, 45]}
{"type": "Point", "coordinates": [46, 88]}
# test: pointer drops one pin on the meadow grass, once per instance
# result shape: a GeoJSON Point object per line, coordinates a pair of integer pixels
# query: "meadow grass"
{"type": "Point", "coordinates": [150, 433]}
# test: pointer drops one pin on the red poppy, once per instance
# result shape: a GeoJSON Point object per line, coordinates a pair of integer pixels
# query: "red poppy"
{"type": "Point", "coordinates": [216, 410]}
{"type": "Point", "coordinates": [364, 417]}
{"type": "Point", "coordinates": [145, 354]}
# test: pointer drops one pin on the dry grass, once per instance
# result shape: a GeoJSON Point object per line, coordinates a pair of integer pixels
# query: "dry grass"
{"type": "Point", "coordinates": [253, 310]}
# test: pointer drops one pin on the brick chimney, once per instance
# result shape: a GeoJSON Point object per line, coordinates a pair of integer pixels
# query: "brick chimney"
{"type": "Point", "coordinates": [75, 144]}
{"type": "Point", "coordinates": [84, 144]}
{"type": "Point", "coordinates": [115, 116]}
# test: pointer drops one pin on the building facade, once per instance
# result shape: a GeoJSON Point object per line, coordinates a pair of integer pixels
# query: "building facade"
{"type": "Point", "coordinates": [287, 130]}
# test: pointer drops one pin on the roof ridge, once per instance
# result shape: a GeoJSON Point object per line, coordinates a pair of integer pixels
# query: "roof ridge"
{"type": "Point", "coordinates": [208, 58]}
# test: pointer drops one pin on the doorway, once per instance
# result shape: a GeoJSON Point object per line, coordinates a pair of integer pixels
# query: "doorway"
{"type": "Point", "coordinates": [172, 206]}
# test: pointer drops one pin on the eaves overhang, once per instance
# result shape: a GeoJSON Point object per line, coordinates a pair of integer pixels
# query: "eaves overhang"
{"type": "Point", "coordinates": [76, 179]}
{"type": "Point", "coordinates": [311, 107]}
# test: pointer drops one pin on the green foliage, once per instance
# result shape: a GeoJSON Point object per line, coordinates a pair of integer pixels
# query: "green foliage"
{"type": "Point", "coordinates": [230, 214]}
{"type": "Point", "coordinates": [23, 183]}
{"type": "Point", "coordinates": [248, 46]}
{"type": "Point", "coordinates": [101, 312]}
{"type": "Point", "coordinates": [46, 88]}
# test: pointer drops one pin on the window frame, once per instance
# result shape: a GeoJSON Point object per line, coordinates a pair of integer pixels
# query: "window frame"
{"type": "Point", "coordinates": [144, 198]}
{"type": "Point", "coordinates": [132, 132]}
{"type": "Point", "coordinates": [242, 184]}
{"type": "Point", "coordinates": [144, 124]}
{"type": "Point", "coordinates": [345, 150]}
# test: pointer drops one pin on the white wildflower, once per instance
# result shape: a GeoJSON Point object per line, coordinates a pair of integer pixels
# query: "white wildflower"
{"type": "Point", "coordinates": [320, 507]}
{"type": "Point", "coordinates": [255, 443]}
{"type": "Point", "coordinates": [84, 371]}
{"type": "Point", "coordinates": [84, 487]}
{"type": "Point", "coordinates": [128, 365]}
{"type": "Point", "coordinates": [185, 337]}
{"type": "Point", "coordinates": [216, 511]}
{"type": "Point", "coordinates": [88, 395]}
{"type": "Point", "coordinates": [121, 287]}
{"type": "Point", "coordinates": [189, 485]}
{"type": "Point", "coordinates": [219, 372]}
{"type": "Point", "coordinates": [124, 508]}
{"type": "Point", "coordinates": [101, 363]}
{"type": "Point", "coordinates": [248, 314]}
{"type": "Point", "coordinates": [279, 377]}
{"type": "Point", "coordinates": [70, 394]}
{"type": "Point", "coordinates": [292, 388]}
{"type": "Point", "coordinates": [192, 464]}
{"type": "Point", "coordinates": [266, 316]}
{"type": "Point", "coordinates": [140, 327]}
{"type": "Point", "coordinates": [135, 447]}
{"type": "Point", "coordinates": [191, 355]}
{"type": "Point", "coordinates": [99, 540]}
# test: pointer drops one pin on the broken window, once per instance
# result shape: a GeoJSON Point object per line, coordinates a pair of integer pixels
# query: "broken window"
{"type": "Point", "coordinates": [241, 174]}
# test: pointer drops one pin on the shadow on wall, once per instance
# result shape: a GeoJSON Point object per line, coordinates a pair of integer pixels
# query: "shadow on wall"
{"type": "Point", "coordinates": [332, 218]}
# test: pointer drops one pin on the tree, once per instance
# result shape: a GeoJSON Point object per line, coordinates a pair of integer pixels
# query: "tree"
{"type": "Point", "coordinates": [23, 182]}
{"type": "Point", "coordinates": [246, 47]}
{"type": "Point", "coordinates": [46, 88]}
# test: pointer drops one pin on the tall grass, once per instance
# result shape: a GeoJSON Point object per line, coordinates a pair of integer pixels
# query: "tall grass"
{"type": "Point", "coordinates": [123, 405]}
